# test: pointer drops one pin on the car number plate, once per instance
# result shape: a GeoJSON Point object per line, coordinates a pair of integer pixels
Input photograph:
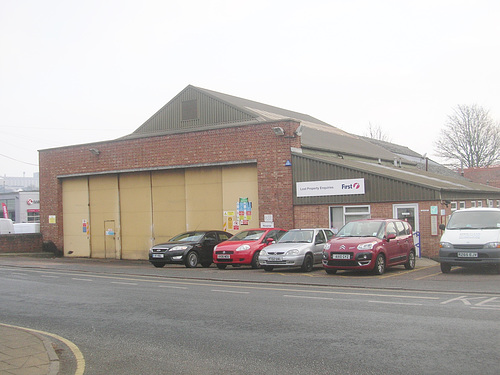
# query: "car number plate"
{"type": "Point", "coordinates": [341, 256]}
{"type": "Point", "coordinates": [275, 259]}
{"type": "Point", "coordinates": [223, 256]}
{"type": "Point", "coordinates": [158, 255]}
{"type": "Point", "coordinates": [463, 254]}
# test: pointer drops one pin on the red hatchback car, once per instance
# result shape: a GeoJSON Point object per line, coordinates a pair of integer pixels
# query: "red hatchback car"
{"type": "Point", "coordinates": [371, 244]}
{"type": "Point", "coordinates": [244, 247]}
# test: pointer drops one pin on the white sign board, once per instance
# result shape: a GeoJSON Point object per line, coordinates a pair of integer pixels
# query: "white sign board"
{"type": "Point", "coordinates": [331, 187]}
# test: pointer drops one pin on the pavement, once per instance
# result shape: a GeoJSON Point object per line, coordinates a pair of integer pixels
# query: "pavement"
{"type": "Point", "coordinates": [26, 352]}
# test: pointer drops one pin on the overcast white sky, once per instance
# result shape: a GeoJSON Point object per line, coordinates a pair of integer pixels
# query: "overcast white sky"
{"type": "Point", "coordinates": [75, 72]}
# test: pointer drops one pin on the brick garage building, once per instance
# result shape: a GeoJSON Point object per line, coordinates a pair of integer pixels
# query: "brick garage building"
{"type": "Point", "coordinates": [201, 157]}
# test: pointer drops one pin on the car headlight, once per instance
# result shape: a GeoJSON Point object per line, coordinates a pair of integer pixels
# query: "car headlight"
{"type": "Point", "coordinates": [181, 247]}
{"type": "Point", "coordinates": [492, 245]}
{"type": "Point", "coordinates": [367, 246]}
{"type": "Point", "coordinates": [292, 252]}
{"type": "Point", "coordinates": [327, 246]}
{"type": "Point", "coordinates": [325, 255]}
{"type": "Point", "coordinates": [243, 248]}
{"type": "Point", "coordinates": [445, 245]}
{"type": "Point", "coordinates": [263, 252]}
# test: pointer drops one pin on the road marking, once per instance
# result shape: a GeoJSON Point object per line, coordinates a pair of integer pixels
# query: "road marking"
{"type": "Point", "coordinates": [77, 279]}
{"type": "Point", "coordinates": [80, 360]}
{"type": "Point", "coordinates": [404, 272]}
{"type": "Point", "coordinates": [308, 297]}
{"type": "Point", "coordinates": [122, 283]}
{"type": "Point", "coordinates": [485, 308]}
{"type": "Point", "coordinates": [432, 274]}
{"type": "Point", "coordinates": [50, 276]}
{"type": "Point", "coordinates": [172, 287]}
{"type": "Point", "coordinates": [397, 303]}
{"type": "Point", "coordinates": [229, 291]}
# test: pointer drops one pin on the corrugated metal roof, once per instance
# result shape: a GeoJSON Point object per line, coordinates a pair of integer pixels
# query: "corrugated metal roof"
{"type": "Point", "coordinates": [342, 143]}
{"type": "Point", "coordinates": [406, 173]}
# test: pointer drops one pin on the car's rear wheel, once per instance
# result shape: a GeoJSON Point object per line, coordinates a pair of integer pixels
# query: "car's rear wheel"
{"type": "Point", "coordinates": [410, 263]}
{"type": "Point", "coordinates": [268, 268]}
{"type": "Point", "coordinates": [191, 259]}
{"type": "Point", "coordinates": [379, 265]}
{"type": "Point", "coordinates": [330, 271]}
{"type": "Point", "coordinates": [159, 265]}
{"type": "Point", "coordinates": [255, 260]}
{"type": "Point", "coordinates": [221, 266]}
{"type": "Point", "coordinates": [308, 264]}
{"type": "Point", "coordinates": [445, 268]}
{"type": "Point", "coordinates": [206, 264]}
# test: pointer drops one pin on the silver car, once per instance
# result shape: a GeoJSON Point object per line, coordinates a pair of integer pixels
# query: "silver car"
{"type": "Point", "coordinates": [297, 248]}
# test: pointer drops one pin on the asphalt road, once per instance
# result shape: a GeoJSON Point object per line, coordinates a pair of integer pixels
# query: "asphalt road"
{"type": "Point", "coordinates": [129, 318]}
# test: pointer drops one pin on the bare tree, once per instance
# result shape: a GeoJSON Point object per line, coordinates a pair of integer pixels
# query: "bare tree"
{"type": "Point", "coordinates": [376, 132]}
{"type": "Point", "coordinates": [470, 138]}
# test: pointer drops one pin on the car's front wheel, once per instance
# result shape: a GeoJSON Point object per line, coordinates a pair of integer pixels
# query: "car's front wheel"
{"type": "Point", "coordinates": [308, 264]}
{"type": "Point", "coordinates": [410, 263]}
{"type": "Point", "coordinates": [191, 259]}
{"type": "Point", "coordinates": [379, 265]}
{"type": "Point", "coordinates": [221, 266]}
{"type": "Point", "coordinates": [268, 268]}
{"type": "Point", "coordinates": [206, 264]}
{"type": "Point", "coordinates": [255, 260]}
{"type": "Point", "coordinates": [158, 265]}
{"type": "Point", "coordinates": [445, 268]}
{"type": "Point", "coordinates": [330, 271]}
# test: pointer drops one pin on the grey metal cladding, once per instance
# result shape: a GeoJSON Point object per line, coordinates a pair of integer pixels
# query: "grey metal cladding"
{"type": "Point", "coordinates": [210, 110]}
{"type": "Point", "coordinates": [378, 188]}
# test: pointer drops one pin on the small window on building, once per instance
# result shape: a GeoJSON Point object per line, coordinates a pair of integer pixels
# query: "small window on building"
{"type": "Point", "coordinates": [498, 203]}
{"type": "Point", "coordinates": [33, 217]}
{"type": "Point", "coordinates": [480, 203]}
{"type": "Point", "coordinates": [339, 216]}
{"type": "Point", "coordinates": [189, 110]}
{"type": "Point", "coordinates": [453, 206]}
{"type": "Point", "coordinates": [490, 203]}
{"type": "Point", "coordinates": [473, 204]}
{"type": "Point", "coordinates": [462, 205]}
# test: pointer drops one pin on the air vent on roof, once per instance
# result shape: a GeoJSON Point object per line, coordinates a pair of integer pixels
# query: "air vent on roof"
{"type": "Point", "coordinates": [189, 110]}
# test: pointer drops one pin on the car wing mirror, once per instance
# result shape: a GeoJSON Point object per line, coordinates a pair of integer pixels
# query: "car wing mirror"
{"type": "Point", "coordinates": [390, 236]}
{"type": "Point", "coordinates": [442, 226]}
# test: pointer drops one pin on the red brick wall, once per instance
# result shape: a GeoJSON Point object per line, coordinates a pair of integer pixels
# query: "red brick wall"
{"type": "Point", "coordinates": [319, 216]}
{"type": "Point", "coordinates": [213, 146]}
{"type": "Point", "coordinates": [21, 243]}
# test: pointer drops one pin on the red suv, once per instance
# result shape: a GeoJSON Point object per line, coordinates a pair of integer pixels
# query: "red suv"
{"type": "Point", "coordinates": [371, 244]}
{"type": "Point", "coordinates": [244, 247]}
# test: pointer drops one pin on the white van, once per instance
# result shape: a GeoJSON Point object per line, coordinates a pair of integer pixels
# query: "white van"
{"type": "Point", "coordinates": [471, 238]}
{"type": "Point", "coordinates": [6, 226]}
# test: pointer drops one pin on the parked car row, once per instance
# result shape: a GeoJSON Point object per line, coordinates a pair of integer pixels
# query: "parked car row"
{"type": "Point", "coordinates": [371, 245]}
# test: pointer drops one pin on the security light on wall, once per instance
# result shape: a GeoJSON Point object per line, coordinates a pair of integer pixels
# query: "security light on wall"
{"type": "Point", "coordinates": [95, 151]}
{"type": "Point", "coordinates": [278, 131]}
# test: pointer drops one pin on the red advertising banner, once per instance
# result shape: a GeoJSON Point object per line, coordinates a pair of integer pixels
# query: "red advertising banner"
{"type": "Point", "coordinates": [5, 211]}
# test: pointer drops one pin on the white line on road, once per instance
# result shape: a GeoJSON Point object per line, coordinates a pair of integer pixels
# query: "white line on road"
{"type": "Point", "coordinates": [308, 297]}
{"type": "Point", "coordinates": [172, 287]}
{"type": "Point", "coordinates": [50, 276]}
{"type": "Point", "coordinates": [397, 303]}
{"type": "Point", "coordinates": [229, 291]}
{"type": "Point", "coordinates": [122, 283]}
{"type": "Point", "coordinates": [77, 279]}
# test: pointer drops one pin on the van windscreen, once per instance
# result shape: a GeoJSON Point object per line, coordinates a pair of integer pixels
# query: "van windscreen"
{"type": "Point", "coordinates": [474, 220]}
